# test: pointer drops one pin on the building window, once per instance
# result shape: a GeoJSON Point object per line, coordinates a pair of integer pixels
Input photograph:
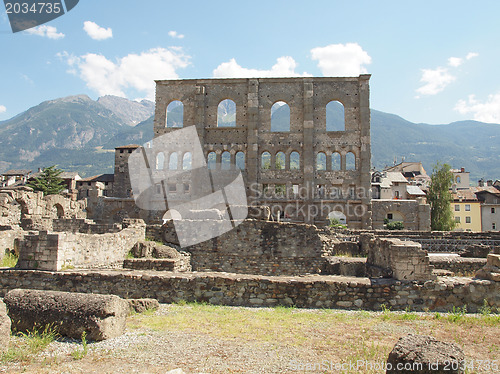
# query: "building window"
{"type": "Point", "coordinates": [186, 161]}
{"type": "Point", "coordinates": [280, 161]}
{"type": "Point", "coordinates": [294, 161]}
{"type": "Point", "coordinates": [335, 118]}
{"type": "Point", "coordinates": [492, 210]}
{"type": "Point", "coordinates": [396, 194]}
{"type": "Point", "coordinates": [336, 161]}
{"type": "Point", "coordinates": [175, 114]}
{"type": "Point", "coordinates": [186, 187]}
{"type": "Point", "coordinates": [240, 160]}
{"type": "Point", "coordinates": [226, 113]}
{"type": "Point", "coordinates": [389, 216]}
{"type": "Point", "coordinates": [280, 190]}
{"type": "Point", "coordinates": [172, 165]}
{"type": "Point", "coordinates": [158, 188]}
{"type": "Point", "coordinates": [321, 161]}
{"type": "Point", "coordinates": [211, 160]}
{"type": "Point", "coordinates": [172, 187]}
{"type": "Point", "coordinates": [265, 160]}
{"type": "Point", "coordinates": [350, 161]}
{"type": "Point", "coordinates": [457, 208]}
{"type": "Point", "coordinates": [467, 220]}
{"type": "Point", "coordinates": [226, 160]}
{"type": "Point", "coordinates": [467, 207]}
{"type": "Point", "coordinates": [493, 226]}
{"type": "Point", "coordinates": [457, 219]}
{"type": "Point", "coordinates": [280, 117]}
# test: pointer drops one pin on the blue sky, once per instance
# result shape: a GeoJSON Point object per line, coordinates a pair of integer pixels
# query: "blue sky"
{"type": "Point", "coordinates": [431, 61]}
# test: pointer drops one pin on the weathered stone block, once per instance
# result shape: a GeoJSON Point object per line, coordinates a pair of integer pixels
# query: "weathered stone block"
{"type": "Point", "coordinates": [5, 325]}
{"type": "Point", "coordinates": [100, 316]}
{"type": "Point", "coordinates": [425, 355]}
{"type": "Point", "coordinates": [141, 305]}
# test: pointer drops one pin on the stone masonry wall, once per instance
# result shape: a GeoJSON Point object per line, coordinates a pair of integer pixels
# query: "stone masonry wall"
{"type": "Point", "coordinates": [259, 247]}
{"type": "Point", "coordinates": [441, 295]}
{"type": "Point", "coordinates": [53, 251]}
{"type": "Point", "coordinates": [402, 260]}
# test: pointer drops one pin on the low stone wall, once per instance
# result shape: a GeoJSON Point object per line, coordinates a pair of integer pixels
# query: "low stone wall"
{"type": "Point", "coordinates": [259, 247]}
{"type": "Point", "coordinates": [53, 251]}
{"type": "Point", "coordinates": [391, 257]}
{"type": "Point", "coordinates": [251, 290]}
{"type": "Point", "coordinates": [456, 264]}
{"type": "Point", "coordinates": [158, 264]}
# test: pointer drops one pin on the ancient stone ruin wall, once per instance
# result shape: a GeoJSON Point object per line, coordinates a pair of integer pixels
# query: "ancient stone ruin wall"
{"type": "Point", "coordinates": [440, 295]}
{"type": "Point", "coordinates": [259, 247]}
{"type": "Point", "coordinates": [307, 99]}
{"type": "Point", "coordinates": [55, 251]}
{"type": "Point", "coordinates": [402, 260]}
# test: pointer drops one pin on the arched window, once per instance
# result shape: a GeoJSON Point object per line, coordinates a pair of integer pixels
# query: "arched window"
{"type": "Point", "coordinates": [280, 161]}
{"type": "Point", "coordinates": [226, 113]}
{"type": "Point", "coordinates": [186, 161]}
{"type": "Point", "coordinates": [160, 161]}
{"type": "Point", "coordinates": [175, 114]}
{"type": "Point", "coordinates": [321, 161]}
{"type": "Point", "coordinates": [211, 160]}
{"type": "Point", "coordinates": [294, 161]}
{"type": "Point", "coordinates": [335, 117]}
{"type": "Point", "coordinates": [265, 160]}
{"type": "Point", "coordinates": [350, 161]}
{"type": "Point", "coordinates": [226, 160]}
{"type": "Point", "coordinates": [280, 117]}
{"type": "Point", "coordinates": [172, 164]}
{"type": "Point", "coordinates": [336, 161]}
{"type": "Point", "coordinates": [240, 160]}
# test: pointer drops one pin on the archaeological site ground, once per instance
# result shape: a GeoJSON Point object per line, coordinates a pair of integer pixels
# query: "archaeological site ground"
{"type": "Point", "coordinates": [310, 276]}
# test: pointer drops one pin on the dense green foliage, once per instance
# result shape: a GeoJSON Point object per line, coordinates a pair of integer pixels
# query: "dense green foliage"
{"type": "Point", "coordinates": [439, 197]}
{"type": "Point", "coordinates": [49, 182]}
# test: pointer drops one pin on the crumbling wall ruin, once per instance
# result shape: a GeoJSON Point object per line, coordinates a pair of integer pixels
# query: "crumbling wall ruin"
{"type": "Point", "coordinates": [312, 191]}
{"type": "Point", "coordinates": [55, 251]}
{"type": "Point", "coordinates": [401, 260]}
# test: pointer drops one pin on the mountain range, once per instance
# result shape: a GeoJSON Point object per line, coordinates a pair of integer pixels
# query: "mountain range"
{"type": "Point", "coordinates": [77, 133]}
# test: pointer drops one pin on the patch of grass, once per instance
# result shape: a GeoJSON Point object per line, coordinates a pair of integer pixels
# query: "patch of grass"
{"type": "Point", "coordinates": [9, 260]}
{"type": "Point", "coordinates": [457, 314]}
{"type": "Point", "coordinates": [29, 344]}
{"type": "Point", "coordinates": [78, 354]}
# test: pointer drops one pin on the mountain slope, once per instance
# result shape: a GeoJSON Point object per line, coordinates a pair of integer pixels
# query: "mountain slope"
{"type": "Point", "coordinates": [129, 112]}
{"type": "Point", "coordinates": [80, 134]}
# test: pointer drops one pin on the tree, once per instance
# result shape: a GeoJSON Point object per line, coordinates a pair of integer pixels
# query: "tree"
{"type": "Point", "coordinates": [439, 198]}
{"type": "Point", "coordinates": [49, 182]}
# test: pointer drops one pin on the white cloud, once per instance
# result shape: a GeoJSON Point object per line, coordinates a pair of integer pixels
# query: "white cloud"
{"type": "Point", "coordinates": [46, 31]}
{"type": "Point", "coordinates": [134, 71]}
{"type": "Point", "coordinates": [488, 111]}
{"type": "Point", "coordinates": [175, 35]}
{"type": "Point", "coordinates": [435, 81]}
{"type": "Point", "coordinates": [455, 61]}
{"type": "Point", "coordinates": [471, 55]}
{"type": "Point", "coordinates": [3, 109]}
{"type": "Point", "coordinates": [341, 59]}
{"type": "Point", "coordinates": [285, 67]}
{"type": "Point", "coordinates": [97, 32]}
